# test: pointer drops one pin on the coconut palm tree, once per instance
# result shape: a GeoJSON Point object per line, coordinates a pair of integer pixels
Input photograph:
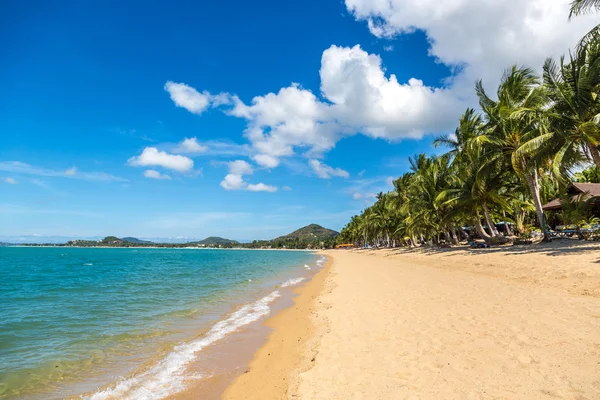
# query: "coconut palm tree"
{"type": "Point", "coordinates": [515, 119]}
{"type": "Point", "coordinates": [579, 7]}
{"type": "Point", "coordinates": [574, 111]}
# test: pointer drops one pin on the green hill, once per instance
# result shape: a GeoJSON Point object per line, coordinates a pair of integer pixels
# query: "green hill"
{"type": "Point", "coordinates": [309, 233]}
{"type": "Point", "coordinates": [136, 240]}
{"type": "Point", "coordinates": [215, 240]}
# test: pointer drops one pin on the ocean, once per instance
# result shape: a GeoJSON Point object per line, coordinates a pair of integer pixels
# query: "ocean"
{"type": "Point", "coordinates": [126, 323]}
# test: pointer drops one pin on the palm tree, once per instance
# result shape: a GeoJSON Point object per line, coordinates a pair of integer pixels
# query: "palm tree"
{"type": "Point", "coordinates": [516, 119]}
{"type": "Point", "coordinates": [574, 107]}
{"type": "Point", "coordinates": [579, 7]}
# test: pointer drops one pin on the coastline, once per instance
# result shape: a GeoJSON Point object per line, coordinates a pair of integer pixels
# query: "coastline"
{"type": "Point", "coordinates": [289, 349]}
{"type": "Point", "coordinates": [508, 323]}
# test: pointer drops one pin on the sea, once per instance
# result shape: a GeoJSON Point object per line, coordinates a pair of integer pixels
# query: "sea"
{"type": "Point", "coordinates": [130, 323]}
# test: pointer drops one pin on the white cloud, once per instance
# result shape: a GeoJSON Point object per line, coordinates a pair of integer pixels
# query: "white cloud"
{"type": "Point", "coordinates": [240, 167]}
{"type": "Point", "coordinates": [265, 160]}
{"type": "Point", "coordinates": [475, 38]}
{"type": "Point", "coordinates": [189, 98]}
{"type": "Point", "coordinates": [325, 171]}
{"type": "Point", "coordinates": [233, 182]}
{"type": "Point", "coordinates": [286, 188]}
{"type": "Point", "coordinates": [71, 171]}
{"type": "Point", "coordinates": [483, 36]}
{"type": "Point", "coordinates": [190, 145]}
{"type": "Point", "coordinates": [9, 180]}
{"type": "Point", "coordinates": [389, 47]}
{"type": "Point", "coordinates": [261, 187]}
{"type": "Point", "coordinates": [151, 156]}
{"type": "Point", "coordinates": [27, 169]}
{"type": "Point", "coordinates": [358, 97]}
{"type": "Point", "coordinates": [152, 174]}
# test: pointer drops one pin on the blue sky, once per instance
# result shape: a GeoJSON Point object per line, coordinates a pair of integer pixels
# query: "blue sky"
{"type": "Point", "coordinates": [238, 119]}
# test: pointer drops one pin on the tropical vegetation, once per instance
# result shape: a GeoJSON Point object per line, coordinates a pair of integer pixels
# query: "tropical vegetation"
{"type": "Point", "coordinates": [517, 151]}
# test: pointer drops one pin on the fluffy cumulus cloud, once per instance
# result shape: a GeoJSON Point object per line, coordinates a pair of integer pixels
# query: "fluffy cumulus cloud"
{"type": "Point", "coordinates": [234, 180]}
{"type": "Point", "coordinates": [151, 156]}
{"type": "Point", "coordinates": [190, 145]}
{"type": "Point", "coordinates": [189, 98]}
{"type": "Point", "coordinates": [265, 160]}
{"type": "Point", "coordinates": [325, 171]}
{"type": "Point", "coordinates": [481, 36]}
{"type": "Point", "coordinates": [240, 167]}
{"type": "Point", "coordinates": [153, 174]}
{"type": "Point", "coordinates": [261, 187]}
{"type": "Point", "coordinates": [477, 39]}
{"type": "Point", "coordinates": [358, 97]}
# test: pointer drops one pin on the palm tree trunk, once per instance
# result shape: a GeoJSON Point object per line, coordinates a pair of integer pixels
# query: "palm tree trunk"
{"type": "Point", "coordinates": [488, 221]}
{"type": "Point", "coordinates": [453, 234]}
{"type": "Point", "coordinates": [534, 188]}
{"type": "Point", "coordinates": [479, 228]}
{"type": "Point", "coordinates": [447, 236]}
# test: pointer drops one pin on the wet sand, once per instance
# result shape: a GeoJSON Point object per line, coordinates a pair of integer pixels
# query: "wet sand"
{"type": "Point", "coordinates": [507, 323]}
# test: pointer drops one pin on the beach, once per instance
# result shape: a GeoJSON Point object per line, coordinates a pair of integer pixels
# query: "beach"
{"type": "Point", "coordinates": [500, 323]}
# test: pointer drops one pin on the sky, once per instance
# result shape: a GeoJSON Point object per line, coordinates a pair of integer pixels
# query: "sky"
{"type": "Point", "coordinates": [183, 119]}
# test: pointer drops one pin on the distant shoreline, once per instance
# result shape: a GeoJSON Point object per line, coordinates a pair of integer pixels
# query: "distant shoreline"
{"type": "Point", "coordinates": [157, 247]}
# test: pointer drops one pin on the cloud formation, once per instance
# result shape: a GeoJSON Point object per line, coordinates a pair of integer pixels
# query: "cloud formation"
{"type": "Point", "coordinates": [261, 187]}
{"type": "Point", "coordinates": [27, 169]}
{"type": "Point", "coordinates": [357, 97]}
{"type": "Point", "coordinates": [190, 145]}
{"type": "Point", "coordinates": [477, 39]}
{"type": "Point", "coordinates": [151, 156]}
{"type": "Point", "coordinates": [189, 98]}
{"type": "Point", "coordinates": [234, 180]}
{"type": "Point", "coordinates": [153, 174]}
{"type": "Point", "coordinates": [480, 37]}
{"type": "Point", "coordinates": [325, 171]}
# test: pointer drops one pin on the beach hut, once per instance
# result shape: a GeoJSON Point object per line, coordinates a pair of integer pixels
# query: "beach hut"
{"type": "Point", "coordinates": [589, 192]}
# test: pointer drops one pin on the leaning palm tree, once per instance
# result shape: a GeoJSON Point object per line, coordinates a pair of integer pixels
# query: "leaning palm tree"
{"type": "Point", "coordinates": [574, 110]}
{"type": "Point", "coordinates": [515, 119]}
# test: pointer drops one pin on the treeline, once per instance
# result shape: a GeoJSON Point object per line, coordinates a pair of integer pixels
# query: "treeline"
{"type": "Point", "coordinates": [503, 162]}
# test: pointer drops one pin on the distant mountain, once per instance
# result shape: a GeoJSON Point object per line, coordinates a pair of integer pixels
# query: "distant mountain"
{"type": "Point", "coordinates": [136, 240]}
{"type": "Point", "coordinates": [215, 240]}
{"type": "Point", "coordinates": [309, 233]}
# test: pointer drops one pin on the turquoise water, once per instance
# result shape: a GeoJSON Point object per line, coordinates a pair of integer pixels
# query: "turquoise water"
{"type": "Point", "coordinates": [70, 315]}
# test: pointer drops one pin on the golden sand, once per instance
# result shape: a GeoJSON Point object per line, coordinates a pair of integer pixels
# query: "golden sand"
{"type": "Point", "coordinates": [507, 323]}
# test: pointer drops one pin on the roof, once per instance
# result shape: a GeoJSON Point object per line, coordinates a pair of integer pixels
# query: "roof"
{"type": "Point", "coordinates": [576, 189]}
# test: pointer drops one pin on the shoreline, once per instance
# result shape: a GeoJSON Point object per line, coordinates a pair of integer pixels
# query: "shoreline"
{"type": "Point", "coordinates": [452, 324]}
{"type": "Point", "coordinates": [289, 348]}
{"type": "Point", "coordinates": [207, 349]}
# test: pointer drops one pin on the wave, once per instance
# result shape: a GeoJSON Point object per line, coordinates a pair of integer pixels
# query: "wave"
{"type": "Point", "coordinates": [321, 261]}
{"type": "Point", "coordinates": [292, 282]}
{"type": "Point", "coordinates": [306, 267]}
{"type": "Point", "coordinates": [167, 376]}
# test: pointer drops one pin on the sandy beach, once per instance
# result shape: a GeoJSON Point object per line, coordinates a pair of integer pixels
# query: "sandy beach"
{"type": "Point", "coordinates": [501, 323]}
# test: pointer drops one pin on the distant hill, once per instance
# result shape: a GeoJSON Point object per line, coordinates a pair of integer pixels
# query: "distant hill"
{"type": "Point", "coordinates": [136, 240]}
{"type": "Point", "coordinates": [215, 240]}
{"type": "Point", "coordinates": [309, 233]}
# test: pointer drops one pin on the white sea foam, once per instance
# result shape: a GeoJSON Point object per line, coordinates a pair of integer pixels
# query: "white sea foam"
{"type": "Point", "coordinates": [321, 261]}
{"type": "Point", "coordinates": [167, 377]}
{"type": "Point", "coordinates": [88, 264]}
{"type": "Point", "coordinates": [292, 282]}
{"type": "Point", "coordinates": [307, 267]}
